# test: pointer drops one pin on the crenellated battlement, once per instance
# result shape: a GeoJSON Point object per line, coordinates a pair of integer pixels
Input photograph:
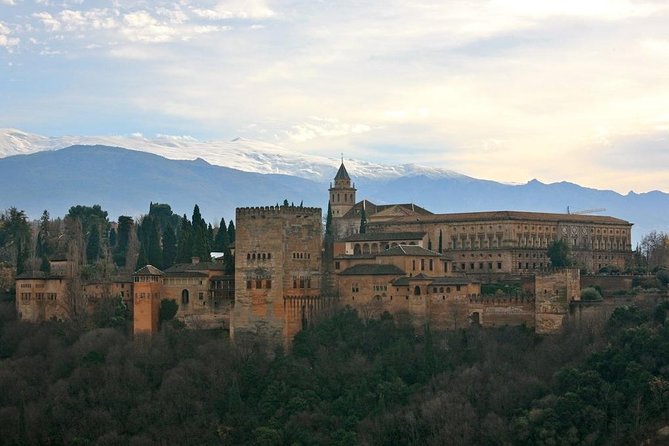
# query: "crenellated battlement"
{"type": "Point", "coordinates": [279, 210]}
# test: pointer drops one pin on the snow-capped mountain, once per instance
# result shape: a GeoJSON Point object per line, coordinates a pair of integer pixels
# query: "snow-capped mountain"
{"type": "Point", "coordinates": [242, 154]}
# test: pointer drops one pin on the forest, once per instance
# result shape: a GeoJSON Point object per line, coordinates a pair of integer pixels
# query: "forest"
{"type": "Point", "coordinates": [344, 382]}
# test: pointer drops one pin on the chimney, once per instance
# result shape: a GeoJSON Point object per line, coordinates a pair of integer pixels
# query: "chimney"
{"type": "Point", "coordinates": [195, 260]}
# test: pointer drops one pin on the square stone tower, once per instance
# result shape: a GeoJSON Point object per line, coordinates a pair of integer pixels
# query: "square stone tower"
{"type": "Point", "coordinates": [278, 252]}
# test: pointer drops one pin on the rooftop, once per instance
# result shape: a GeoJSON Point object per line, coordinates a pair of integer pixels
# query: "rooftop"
{"type": "Point", "coordinates": [342, 174]}
{"type": "Point", "coordinates": [385, 236]}
{"type": "Point", "coordinates": [148, 270]}
{"type": "Point", "coordinates": [510, 215]}
{"type": "Point", "coordinates": [409, 250]}
{"type": "Point", "coordinates": [372, 270]}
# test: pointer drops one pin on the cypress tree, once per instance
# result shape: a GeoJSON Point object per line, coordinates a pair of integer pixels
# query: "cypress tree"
{"type": "Point", "coordinates": [125, 225]}
{"type": "Point", "coordinates": [328, 220]}
{"type": "Point", "coordinates": [197, 217]}
{"type": "Point", "coordinates": [363, 222]}
{"type": "Point", "coordinates": [45, 266]}
{"type": "Point", "coordinates": [43, 235]}
{"type": "Point", "coordinates": [221, 241]}
{"type": "Point", "coordinates": [20, 257]}
{"type": "Point", "coordinates": [210, 235]}
{"type": "Point", "coordinates": [93, 245]}
{"type": "Point", "coordinates": [441, 242]}
{"type": "Point", "coordinates": [154, 252]}
{"type": "Point", "coordinates": [112, 238]}
{"type": "Point", "coordinates": [142, 259]}
{"type": "Point", "coordinates": [231, 232]}
{"type": "Point", "coordinates": [185, 244]}
{"type": "Point", "coordinates": [169, 246]}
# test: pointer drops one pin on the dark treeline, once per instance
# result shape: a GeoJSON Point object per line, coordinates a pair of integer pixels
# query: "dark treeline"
{"type": "Point", "coordinates": [97, 247]}
{"type": "Point", "coordinates": [345, 382]}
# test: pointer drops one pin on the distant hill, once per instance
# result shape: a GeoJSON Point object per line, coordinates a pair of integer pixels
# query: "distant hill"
{"type": "Point", "coordinates": [125, 181]}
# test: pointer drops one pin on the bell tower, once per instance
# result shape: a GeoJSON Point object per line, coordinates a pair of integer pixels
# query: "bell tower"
{"type": "Point", "coordinates": [342, 194]}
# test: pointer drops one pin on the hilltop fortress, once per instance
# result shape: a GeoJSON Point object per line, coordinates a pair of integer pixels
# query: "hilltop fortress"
{"type": "Point", "coordinates": [429, 268]}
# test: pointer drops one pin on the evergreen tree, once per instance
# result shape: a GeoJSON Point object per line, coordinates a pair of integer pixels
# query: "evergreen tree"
{"type": "Point", "coordinates": [185, 244]}
{"type": "Point", "coordinates": [441, 242]}
{"type": "Point", "coordinates": [112, 238]}
{"type": "Point", "coordinates": [153, 251]}
{"type": "Point", "coordinates": [201, 247]}
{"type": "Point", "coordinates": [125, 226]}
{"type": "Point", "coordinates": [142, 259]}
{"type": "Point", "coordinates": [45, 266]}
{"type": "Point", "coordinates": [20, 257]}
{"type": "Point", "coordinates": [231, 232]}
{"type": "Point", "coordinates": [221, 241]}
{"type": "Point", "coordinates": [429, 244]}
{"type": "Point", "coordinates": [363, 221]}
{"type": "Point", "coordinates": [210, 235]}
{"type": "Point", "coordinates": [169, 246]}
{"type": "Point", "coordinates": [328, 220]}
{"type": "Point", "coordinates": [93, 245]}
{"type": "Point", "coordinates": [43, 236]}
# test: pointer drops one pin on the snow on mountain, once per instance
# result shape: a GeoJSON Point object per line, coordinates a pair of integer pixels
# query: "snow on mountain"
{"type": "Point", "coordinates": [242, 154]}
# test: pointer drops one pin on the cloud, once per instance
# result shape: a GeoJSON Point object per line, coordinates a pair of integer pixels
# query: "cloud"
{"type": "Point", "coordinates": [318, 127]}
{"type": "Point", "coordinates": [236, 9]}
{"type": "Point", "coordinates": [5, 40]}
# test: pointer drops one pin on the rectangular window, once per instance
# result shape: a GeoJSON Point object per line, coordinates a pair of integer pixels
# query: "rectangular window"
{"type": "Point", "coordinates": [258, 283]}
{"type": "Point", "coordinates": [200, 295]}
{"type": "Point", "coordinates": [269, 283]}
{"type": "Point", "coordinates": [413, 265]}
{"type": "Point", "coordinates": [248, 284]}
{"type": "Point", "coordinates": [499, 265]}
{"type": "Point", "coordinates": [431, 265]}
{"type": "Point", "coordinates": [337, 266]}
{"type": "Point", "coordinates": [422, 264]}
{"type": "Point", "coordinates": [457, 288]}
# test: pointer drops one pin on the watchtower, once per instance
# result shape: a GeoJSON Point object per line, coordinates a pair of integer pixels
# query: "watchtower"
{"type": "Point", "coordinates": [277, 257]}
{"type": "Point", "coordinates": [147, 289]}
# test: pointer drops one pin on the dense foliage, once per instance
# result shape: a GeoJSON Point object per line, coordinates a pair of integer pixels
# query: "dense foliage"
{"type": "Point", "coordinates": [345, 382]}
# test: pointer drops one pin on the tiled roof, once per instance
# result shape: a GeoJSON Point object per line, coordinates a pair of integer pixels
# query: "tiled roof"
{"type": "Point", "coordinates": [511, 215]}
{"type": "Point", "coordinates": [371, 209]}
{"type": "Point", "coordinates": [455, 280]}
{"type": "Point", "coordinates": [385, 236]}
{"type": "Point", "coordinates": [38, 275]}
{"type": "Point", "coordinates": [372, 270]}
{"type": "Point", "coordinates": [409, 250]}
{"type": "Point", "coordinates": [148, 270]}
{"type": "Point", "coordinates": [202, 266]}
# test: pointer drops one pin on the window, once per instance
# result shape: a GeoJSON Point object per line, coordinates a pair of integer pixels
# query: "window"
{"type": "Point", "coordinates": [200, 295]}
{"type": "Point", "coordinates": [337, 265]}
{"type": "Point", "coordinates": [499, 265]}
{"type": "Point", "coordinates": [258, 283]}
{"type": "Point", "coordinates": [184, 297]}
{"type": "Point", "coordinates": [269, 283]}
{"type": "Point", "coordinates": [431, 265]}
{"type": "Point", "coordinates": [248, 284]}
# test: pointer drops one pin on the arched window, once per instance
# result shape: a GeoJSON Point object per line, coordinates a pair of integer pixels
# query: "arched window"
{"type": "Point", "coordinates": [184, 297]}
{"type": "Point", "coordinates": [357, 250]}
{"type": "Point", "coordinates": [416, 291]}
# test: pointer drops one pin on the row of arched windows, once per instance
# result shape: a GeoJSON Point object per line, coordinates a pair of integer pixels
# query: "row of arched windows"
{"type": "Point", "coordinates": [259, 256]}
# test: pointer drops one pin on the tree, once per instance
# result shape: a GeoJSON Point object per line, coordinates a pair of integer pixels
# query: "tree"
{"type": "Point", "coordinates": [559, 254]}
{"type": "Point", "coordinates": [154, 251]}
{"type": "Point", "coordinates": [654, 248]}
{"type": "Point", "coordinates": [93, 245]}
{"type": "Point", "coordinates": [363, 221]}
{"type": "Point", "coordinates": [169, 246]}
{"type": "Point", "coordinates": [125, 228]}
{"type": "Point", "coordinates": [441, 242]}
{"type": "Point", "coordinates": [112, 238]}
{"type": "Point", "coordinates": [328, 221]}
{"type": "Point", "coordinates": [221, 240]}
{"type": "Point", "coordinates": [185, 243]}
{"type": "Point", "coordinates": [590, 294]}
{"type": "Point", "coordinates": [42, 248]}
{"type": "Point", "coordinates": [201, 246]}
{"type": "Point", "coordinates": [168, 309]}
{"type": "Point", "coordinates": [231, 232]}
{"type": "Point", "coordinates": [45, 265]}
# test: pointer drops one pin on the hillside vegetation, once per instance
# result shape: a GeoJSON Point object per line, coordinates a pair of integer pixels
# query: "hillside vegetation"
{"type": "Point", "coordinates": [345, 382]}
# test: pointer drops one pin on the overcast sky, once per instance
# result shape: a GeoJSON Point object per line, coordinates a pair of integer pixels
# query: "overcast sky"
{"type": "Point", "coordinates": [573, 90]}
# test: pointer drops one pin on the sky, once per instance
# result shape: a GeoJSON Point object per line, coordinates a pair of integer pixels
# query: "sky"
{"type": "Point", "coordinates": [574, 90]}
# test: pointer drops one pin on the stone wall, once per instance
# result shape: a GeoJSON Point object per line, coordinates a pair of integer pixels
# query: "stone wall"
{"type": "Point", "coordinates": [278, 253]}
{"type": "Point", "coordinates": [554, 293]}
{"type": "Point", "coordinates": [608, 284]}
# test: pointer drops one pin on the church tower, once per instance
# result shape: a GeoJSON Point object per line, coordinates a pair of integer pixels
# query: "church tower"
{"type": "Point", "coordinates": [342, 194]}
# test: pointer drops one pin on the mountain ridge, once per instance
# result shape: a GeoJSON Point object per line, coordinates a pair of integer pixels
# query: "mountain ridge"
{"type": "Point", "coordinates": [125, 181]}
